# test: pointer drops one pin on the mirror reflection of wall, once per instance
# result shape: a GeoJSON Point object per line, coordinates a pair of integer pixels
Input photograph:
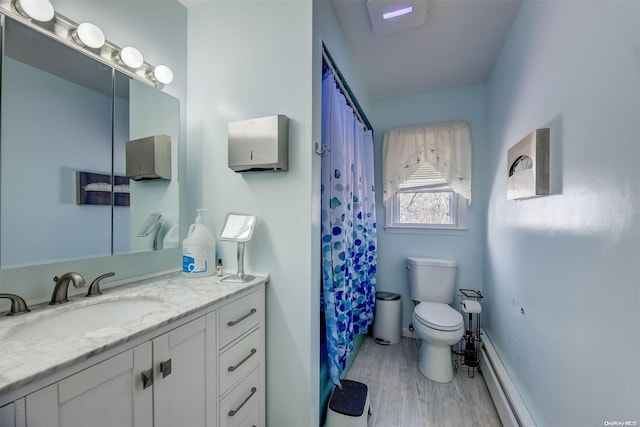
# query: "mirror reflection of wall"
{"type": "Point", "coordinates": [58, 117]}
{"type": "Point", "coordinates": [147, 108]}
{"type": "Point", "coordinates": [51, 127]}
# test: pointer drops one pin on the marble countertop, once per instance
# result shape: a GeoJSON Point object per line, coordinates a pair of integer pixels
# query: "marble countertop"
{"type": "Point", "coordinates": [22, 362]}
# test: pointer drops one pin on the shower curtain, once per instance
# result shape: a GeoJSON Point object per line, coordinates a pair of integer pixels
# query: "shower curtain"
{"type": "Point", "coordinates": [348, 226]}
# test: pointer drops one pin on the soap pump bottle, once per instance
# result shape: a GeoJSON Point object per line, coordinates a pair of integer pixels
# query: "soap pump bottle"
{"type": "Point", "coordinates": [199, 250]}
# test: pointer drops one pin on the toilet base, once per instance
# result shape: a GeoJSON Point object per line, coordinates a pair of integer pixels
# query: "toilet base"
{"type": "Point", "coordinates": [436, 362]}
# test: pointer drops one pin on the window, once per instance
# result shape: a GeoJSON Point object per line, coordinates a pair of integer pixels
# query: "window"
{"type": "Point", "coordinates": [427, 208]}
{"type": "Point", "coordinates": [427, 177]}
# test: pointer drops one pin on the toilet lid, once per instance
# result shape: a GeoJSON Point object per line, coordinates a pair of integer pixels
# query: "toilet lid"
{"type": "Point", "coordinates": [438, 316]}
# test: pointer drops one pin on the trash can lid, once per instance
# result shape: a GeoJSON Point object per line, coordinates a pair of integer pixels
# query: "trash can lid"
{"type": "Point", "coordinates": [387, 296]}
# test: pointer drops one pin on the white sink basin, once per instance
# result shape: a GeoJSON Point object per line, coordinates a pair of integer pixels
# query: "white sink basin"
{"type": "Point", "coordinates": [84, 319]}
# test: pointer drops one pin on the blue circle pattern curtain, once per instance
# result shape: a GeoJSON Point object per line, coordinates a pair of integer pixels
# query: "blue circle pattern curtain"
{"type": "Point", "coordinates": [348, 226]}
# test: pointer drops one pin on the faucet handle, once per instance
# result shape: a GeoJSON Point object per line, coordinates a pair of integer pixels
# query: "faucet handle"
{"type": "Point", "coordinates": [18, 306]}
{"type": "Point", "coordinates": [94, 287]}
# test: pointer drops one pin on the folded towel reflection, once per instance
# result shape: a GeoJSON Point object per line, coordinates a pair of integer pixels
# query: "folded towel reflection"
{"type": "Point", "coordinates": [469, 306]}
{"type": "Point", "coordinates": [105, 186]}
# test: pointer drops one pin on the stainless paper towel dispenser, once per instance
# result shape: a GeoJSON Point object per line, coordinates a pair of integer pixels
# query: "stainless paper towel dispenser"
{"type": "Point", "coordinates": [260, 144]}
{"type": "Point", "coordinates": [149, 158]}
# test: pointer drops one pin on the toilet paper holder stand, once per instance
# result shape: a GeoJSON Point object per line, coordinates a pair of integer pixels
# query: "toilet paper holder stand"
{"type": "Point", "coordinates": [467, 351]}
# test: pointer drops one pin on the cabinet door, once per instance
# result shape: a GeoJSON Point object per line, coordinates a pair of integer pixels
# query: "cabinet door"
{"type": "Point", "coordinates": [184, 385]}
{"type": "Point", "coordinates": [12, 414]}
{"type": "Point", "coordinates": [110, 393]}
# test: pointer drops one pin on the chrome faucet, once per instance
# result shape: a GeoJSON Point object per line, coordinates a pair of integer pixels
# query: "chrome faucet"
{"type": "Point", "coordinates": [94, 287]}
{"type": "Point", "coordinates": [18, 306]}
{"type": "Point", "coordinates": [62, 284]}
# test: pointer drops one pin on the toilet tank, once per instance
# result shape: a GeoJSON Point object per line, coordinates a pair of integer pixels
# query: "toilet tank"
{"type": "Point", "coordinates": [431, 279]}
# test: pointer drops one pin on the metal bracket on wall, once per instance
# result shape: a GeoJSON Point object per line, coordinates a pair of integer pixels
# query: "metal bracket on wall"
{"type": "Point", "coordinates": [321, 150]}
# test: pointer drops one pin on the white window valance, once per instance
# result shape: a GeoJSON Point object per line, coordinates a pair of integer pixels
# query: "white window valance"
{"type": "Point", "coordinates": [427, 156]}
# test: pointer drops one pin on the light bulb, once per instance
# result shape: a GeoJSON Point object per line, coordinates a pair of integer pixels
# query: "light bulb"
{"type": "Point", "coordinates": [88, 34]}
{"type": "Point", "coordinates": [162, 74]}
{"type": "Point", "coordinates": [129, 56]}
{"type": "Point", "coordinates": [39, 10]}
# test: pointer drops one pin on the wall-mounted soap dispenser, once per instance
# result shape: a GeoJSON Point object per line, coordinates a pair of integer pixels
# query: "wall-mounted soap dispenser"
{"type": "Point", "coordinates": [260, 144]}
{"type": "Point", "coordinates": [149, 158]}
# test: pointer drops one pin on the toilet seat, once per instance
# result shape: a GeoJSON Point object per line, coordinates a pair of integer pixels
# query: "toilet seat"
{"type": "Point", "coordinates": [438, 316]}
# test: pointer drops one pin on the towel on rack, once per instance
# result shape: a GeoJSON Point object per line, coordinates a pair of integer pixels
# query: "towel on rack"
{"type": "Point", "coordinates": [470, 306]}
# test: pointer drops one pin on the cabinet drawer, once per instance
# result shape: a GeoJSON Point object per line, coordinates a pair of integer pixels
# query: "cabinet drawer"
{"type": "Point", "coordinates": [239, 316]}
{"type": "Point", "coordinates": [253, 420]}
{"type": "Point", "coordinates": [241, 401]}
{"type": "Point", "coordinates": [239, 359]}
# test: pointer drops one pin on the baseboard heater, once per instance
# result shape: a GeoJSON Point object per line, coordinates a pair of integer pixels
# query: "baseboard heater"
{"type": "Point", "coordinates": [507, 400]}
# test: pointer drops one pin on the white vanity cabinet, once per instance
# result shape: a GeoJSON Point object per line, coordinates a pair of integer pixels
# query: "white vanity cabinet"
{"type": "Point", "coordinates": [162, 382]}
{"type": "Point", "coordinates": [208, 371]}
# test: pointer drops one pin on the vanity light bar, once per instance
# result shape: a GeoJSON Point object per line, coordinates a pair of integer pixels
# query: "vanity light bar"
{"type": "Point", "coordinates": [87, 37]}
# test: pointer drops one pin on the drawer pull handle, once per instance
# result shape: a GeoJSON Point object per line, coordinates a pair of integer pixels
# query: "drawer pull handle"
{"type": "Point", "coordinates": [235, 322]}
{"type": "Point", "coordinates": [165, 368]}
{"type": "Point", "coordinates": [235, 411]}
{"type": "Point", "coordinates": [233, 368]}
{"type": "Point", "coordinates": [147, 378]}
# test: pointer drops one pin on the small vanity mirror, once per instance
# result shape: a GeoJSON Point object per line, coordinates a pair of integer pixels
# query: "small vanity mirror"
{"type": "Point", "coordinates": [239, 228]}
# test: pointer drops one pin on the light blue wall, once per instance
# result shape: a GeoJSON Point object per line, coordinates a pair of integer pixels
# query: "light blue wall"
{"type": "Point", "coordinates": [464, 246]}
{"type": "Point", "coordinates": [251, 59]}
{"type": "Point", "coordinates": [570, 260]}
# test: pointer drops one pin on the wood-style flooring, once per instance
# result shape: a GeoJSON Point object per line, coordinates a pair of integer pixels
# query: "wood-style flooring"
{"type": "Point", "coordinates": [402, 397]}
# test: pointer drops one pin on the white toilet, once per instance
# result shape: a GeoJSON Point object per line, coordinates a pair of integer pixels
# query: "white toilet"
{"type": "Point", "coordinates": [439, 326]}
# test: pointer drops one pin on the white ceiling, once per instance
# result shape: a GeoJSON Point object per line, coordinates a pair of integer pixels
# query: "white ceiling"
{"type": "Point", "coordinates": [456, 46]}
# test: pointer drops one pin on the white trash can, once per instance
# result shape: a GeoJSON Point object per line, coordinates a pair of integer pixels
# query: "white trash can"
{"type": "Point", "coordinates": [386, 324]}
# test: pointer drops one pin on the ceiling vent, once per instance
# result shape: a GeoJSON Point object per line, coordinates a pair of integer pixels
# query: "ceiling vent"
{"type": "Point", "coordinates": [388, 16]}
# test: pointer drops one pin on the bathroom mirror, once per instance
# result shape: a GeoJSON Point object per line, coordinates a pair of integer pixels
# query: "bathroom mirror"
{"type": "Point", "coordinates": [238, 228]}
{"type": "Point", "coordinates": [65, 119]}
{"type": "Point", "coordinates": [145, 111]}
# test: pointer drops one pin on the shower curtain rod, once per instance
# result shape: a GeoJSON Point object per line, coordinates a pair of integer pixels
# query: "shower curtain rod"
{"type": "Point", "coordinates": [346, 90]}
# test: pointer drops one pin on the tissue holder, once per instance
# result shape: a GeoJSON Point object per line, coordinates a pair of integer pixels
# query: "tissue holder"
{"type": "Point", "coordinates": [469, 306]}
